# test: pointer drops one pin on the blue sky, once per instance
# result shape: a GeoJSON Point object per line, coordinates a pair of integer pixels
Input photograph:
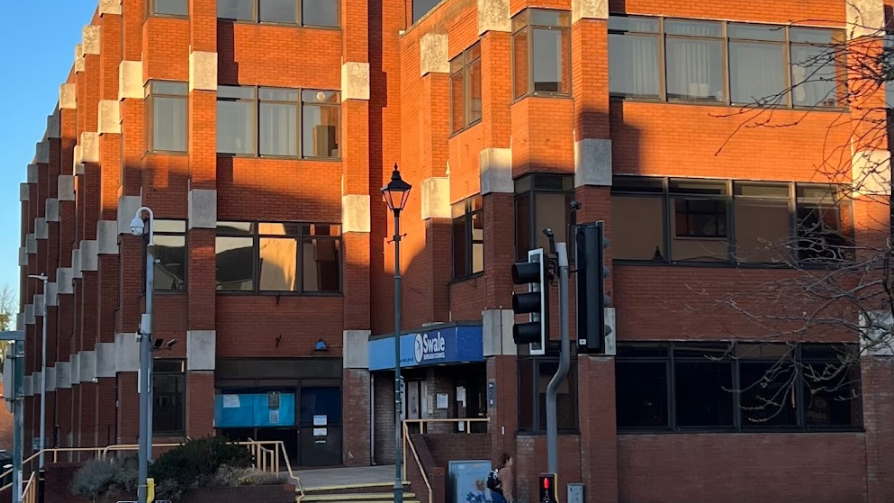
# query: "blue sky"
{"type": "Point", "coordinates": [38, 40]}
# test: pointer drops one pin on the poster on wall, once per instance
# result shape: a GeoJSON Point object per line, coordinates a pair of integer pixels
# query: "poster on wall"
{"type": "Point", "coordinates": [467, 482]}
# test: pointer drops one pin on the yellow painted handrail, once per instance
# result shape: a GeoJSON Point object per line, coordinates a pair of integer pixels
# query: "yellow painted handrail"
{"type": "Point", "coordinates": [408, 442]}
{"type": "Point", "coordinates": [30, 492]}
{"type": "Point", "coordinates": [422, 424]}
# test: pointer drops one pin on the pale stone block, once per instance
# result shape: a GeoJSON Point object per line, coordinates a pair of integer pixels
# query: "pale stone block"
{"type": "Point", "coordinates": [42, 152]}
{"type": "Point", "coordinates": [40, 228]}
{"type": "Point", "coordinates": [496, 328]}
{"type": "Point", "coordinates": [865, 18]}
{"type": "Point", "coordinates": [24, 192]}
{"type": "Point", "coordinates": [355, 81]}
{"type": "Point", "coordinates": [68, 97]}
{"type": "Point", "coordinates": [77, 166]}
{"type": "Point", "coordinates": [91, 39]}
{"type": "Point", "coordinates": [27, 386]}
{"type": "Point", "coordinates": [202, 209]}
{"type": "Point", "coordinates": [53, 126]}
{"type": "Point", "coordinates": [20, 321]}
{"type": "Point", "coordinates": [109, 7]}
{"type": "Point", "coordinates": [51, 379]}
{"type": "Point", "coordinates": [76, 368]}
{"type": "Point", "coordinates": [33, 173]}
{"type": "Point", "coordinates": [89, 255]}
{"type": "Point", "coordinates": [203, 71]}
{"type": "Point", "coordinates": [871, 173]}
{"type": "Point", "coordinates": [52, 294]}
{"type": "Point", "coordinates": [109, 122]}
{"type": "Point", "coordinates": [355, 213]}
{"type": "Point", "coordinates": [130, 80]}
{"type": "Point", "coordinates": [88, 366]}
{"type": "Point", "coordinates": [79, 64]}
{"type": "Point", "coordinates": [65, 187]}
{"type": "Point", "coordinates": [588, 9]}
{"type": "Point", "coordinates": [493, 15]}
{"type": "Point", "coordinates": [31, 244]}
{"type": "Point", "coordinates": [52, 209]}
{"type": "Point", "coordinates": [105, 359]}
{"type": "Point", "coordinates": [593, 162]}
{"type": "Point", "coordinates": [433, 55]}
{"type": "Point", "coordinates": [29, 314]}
{"type": "Point", "coordinates": [127, 209]}
{"type": "Point", "coordinates": [201, 349]}
{"type": "Point", "coordinates": [127, 353]}
{"type": "Point", "coordinates": [76, 263]}
{"type": "Point", "coordinates": [40, 305]}
{"type": "Point", "coordinates": [107, 237]}
{"type": "Point", "coordinates": [355, 352]}
{"type": "Point", "coordinates": [496, 171]}
{"type": "Point", "coordinates": [65, 280]}
{"type": "Point", "coordinates": [63, 375]}
{"type": "Point", "coordinates": [37, 383]}
{"type": "Point", "coordinates": [435, 198]}
{"type": "Point", "coordinates": [23, 256]}
{"type": "Point", "coordinates": [89, 147]}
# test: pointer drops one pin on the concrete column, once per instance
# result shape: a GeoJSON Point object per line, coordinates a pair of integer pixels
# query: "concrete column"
{"type": "Point", "coordinates": [357, 391]}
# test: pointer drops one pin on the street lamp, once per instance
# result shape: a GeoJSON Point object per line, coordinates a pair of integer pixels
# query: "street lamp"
{"type": "Point", "coordinates": [144, 336]}
{"type": "Point", "coordinates": [43, 369]}
{"type": "Point", "coordinates": [396, 194]}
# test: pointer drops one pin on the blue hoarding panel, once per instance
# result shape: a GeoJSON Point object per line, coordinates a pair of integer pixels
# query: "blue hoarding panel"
{"type": "Point", "coordinates": [265, 416]}
{"type": "Point", "coordinates": [455, 344]}
{"type": "Point", "coordinates": [252, 410]}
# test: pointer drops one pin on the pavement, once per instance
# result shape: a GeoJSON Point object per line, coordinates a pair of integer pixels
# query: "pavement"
{"type": "Point", "coordinates": [327, 477]}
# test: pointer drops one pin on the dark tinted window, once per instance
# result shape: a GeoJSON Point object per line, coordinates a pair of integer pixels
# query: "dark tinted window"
{"type": "Point", "coordinates": [641, 394]}
{"type": "Point", "coordinates": [703, 393]}
{"type": "Point", "coordinates": [278, 11]}
{"type": "Point", "coordinates": [319, 13]}
{"type": "Point", "coordinates": [320, 113]}
{"type": "Point", "coordinates": [169, 397]}
{"type": "Point", "coordinates": [236, 9]}
{"type": "Point", "coordinates": [170, 7]}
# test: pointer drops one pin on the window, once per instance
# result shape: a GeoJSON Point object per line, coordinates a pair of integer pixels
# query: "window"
{"type": "Point", "coordinates": [542, 201]}
{"type": "Point", "coordinates": [171, 257]}
{"type": "Point", "coordinates": [542, 56]}
{"type": "Point", "coordinates": [423, 7]}
{"type": "Point", "coordinates": [166, 111]}
{"type": "Point", "coordinates": [269, 118]}
{"type": "Point", "coordinates": [468, 237]}
{"type": "Point", "coordinates": [278, 257]}
{"type": "Point", "coordinates": [465, 89]}
{"type": "Point", "coordinates": [534, 375]}
{"type": "Point", "coordinates": [169, 397]}
{"type": "Point", "coordinates": [714, 221]}
{"type": "Point", "coordinates": [686, 386]}
{"type": "Point", "coordinates": [318, 13]}
{"type": "Point", "coordinates": [168, 7]}
{"type": "Point", "coordinates": [696, 60]}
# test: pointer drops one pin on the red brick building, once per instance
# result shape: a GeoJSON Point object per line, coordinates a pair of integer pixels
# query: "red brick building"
{"type": "Point", "coordinates": [260, 132]}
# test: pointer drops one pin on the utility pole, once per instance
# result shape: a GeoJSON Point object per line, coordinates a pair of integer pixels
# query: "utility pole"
{"type": "Point", "coordinates": [552, 427]}
{"type": "Point", "coordinates": [18, 422]}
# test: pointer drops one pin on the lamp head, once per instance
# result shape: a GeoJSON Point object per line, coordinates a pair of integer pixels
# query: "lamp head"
{"type": "Point", "coordinates": [136, 226]}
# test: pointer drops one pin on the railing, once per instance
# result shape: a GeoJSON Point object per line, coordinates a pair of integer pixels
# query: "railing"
{"type": "Point", "coordinates": [29, 495]}
{"type": "Point", "coordinates": [266, 454]}
{"type": "Point", "coordinates": [412, 449]}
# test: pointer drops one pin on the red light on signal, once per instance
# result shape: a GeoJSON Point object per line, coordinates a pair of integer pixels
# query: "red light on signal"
{"type": "Point", "coordinates": [545, 483]}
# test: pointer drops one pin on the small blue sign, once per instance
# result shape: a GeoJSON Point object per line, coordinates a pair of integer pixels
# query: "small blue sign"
{"type": "Point", "coordinates": [452, 344]}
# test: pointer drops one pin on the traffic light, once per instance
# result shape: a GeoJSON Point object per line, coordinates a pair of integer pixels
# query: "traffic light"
{"type": "Point", "coordinates": [548, 488]}
{"type": "Point", "coordinates": [534, 302]}
{"type": "Point", "coordinates": [591, 297]}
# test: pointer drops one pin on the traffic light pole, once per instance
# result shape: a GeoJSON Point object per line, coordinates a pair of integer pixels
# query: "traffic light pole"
{"type": "Point", "coordinates": [552, 427]}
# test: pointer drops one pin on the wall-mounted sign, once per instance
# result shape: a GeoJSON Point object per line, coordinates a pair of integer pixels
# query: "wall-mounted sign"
{"type": "Point", "coordinates": [456, 344]}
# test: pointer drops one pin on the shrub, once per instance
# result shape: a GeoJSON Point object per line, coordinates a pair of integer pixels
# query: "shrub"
{"type": "Point", "coordinates": [95, 479]}
{"type": "Point", "coordinates": [193, 463]}
{"type": "Point", "coordinates": [227, 476]}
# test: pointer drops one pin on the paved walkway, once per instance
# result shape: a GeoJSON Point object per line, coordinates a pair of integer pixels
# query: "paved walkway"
{"type": "Point", "coordinates": [326, 477]}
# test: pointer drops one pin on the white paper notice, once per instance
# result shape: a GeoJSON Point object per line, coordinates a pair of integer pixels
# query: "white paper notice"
{"type": "Point", "coordinates": [321, 420]}
{"type": "Point", "coordinates": [274, 417]}
{"type": "Point", "coordinates": [231, 401]}
{"type": "Point", "coordinates": [460, 394]}
{"type": "Point", "coordinates": [320, 432]}
{"type": "Point", "coordinates": [442, 401]}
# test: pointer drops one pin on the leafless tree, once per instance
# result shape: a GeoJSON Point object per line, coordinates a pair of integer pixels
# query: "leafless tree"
{"type": "Point", "coordinates": [8, 310]}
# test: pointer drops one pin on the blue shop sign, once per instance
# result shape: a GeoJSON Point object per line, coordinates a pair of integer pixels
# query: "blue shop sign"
{"type": "Point", "coordinates": [452, 344]}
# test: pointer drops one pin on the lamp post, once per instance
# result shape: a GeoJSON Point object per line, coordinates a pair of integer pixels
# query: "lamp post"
{"type": "Point", "coordinates": [144, 336]}
{"type": "Point", "coordinates": [43, 369]}
{"type": "Point", "coordinates": [396, 194]}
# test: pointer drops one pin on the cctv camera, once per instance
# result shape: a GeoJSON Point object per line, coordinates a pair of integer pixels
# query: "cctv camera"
{"type": "Point", "coordinates": [136, 226]}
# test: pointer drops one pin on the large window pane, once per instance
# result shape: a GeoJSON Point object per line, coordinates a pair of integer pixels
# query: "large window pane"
{"type": "Point", "coordinates": [814, 75]}
{"type": "Point", "coordinates": [319, 13]}
{"type": "Point", "coordinates": [322, 265]}
{"type": "Point", "coordinates": [279, 129]}
{"type": "Point", "coordinates": [824, 228]}
{"type": "Point", "coordinates": [641, 397]}
{"type": "Point", "coordinates": [235, 127]}
{"type": "Point", "coordinates": [566, 398]}
{"type": "Point", "coordinates": [423, 7]}
{"type": "Point", "coordinates": [703, 392]}
{"type": "Point", "coordinates": [694, 69]}
{"type": "Point", "coordinates": [320, 124]}
{"type": "Point", "coordinates": [767, 393]}
{"type": "Point", "coordinates": [523, 230]}
{"type": "Point", "coordinates": [638, 228]}
{"type": "Point", "coordinates": [235, 9]}
{"type": "Point", "coordinates": [526, 395]}
{"type": "Point", "coordinates": [234, 263]}
{"type": "Point", "coordinates": [457, 102]}
{"type": "Point", "coordinates": [477, 242]}
{"type": "Point", "coordinates": [699, 230]}
{"type": "Point", "coordinates": [278, 264]}
{"type": "Point", "coordinates": [633, 65]}
{"type": "Point", "coordinates": [551, 55]}
{"type": "Point", "coordinates": [552, 212]}
{"type": "Point", "coordinates": [763, 229]}
{"type": "Point", "coordinates": [520, 64]}
{"type": "Point", "coordinates": [170, 7]}
{"type": "Point", "coordinates": [169, 124]}
{"type": "Point", "coordinates": [278, 11]}
{"type": "Point", "coordinates": [756, 72]}
{"type": "Point", "coordinates": [170, 265]}
{"type": "Point", "coordinates": [460, 245]}
{"type": "Point", "coordinates": [169, 402]}
{"type": "Point", "coordinates": [831, 394]}
{"type": "Point", "coordinates": [474, 70]}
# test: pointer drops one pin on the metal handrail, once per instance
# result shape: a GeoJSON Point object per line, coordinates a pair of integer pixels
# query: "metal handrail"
{"type": "Point", "coordinates": [29, 495]}
{"type": "Point", "coordinates": [409, 442]}
{"type": "Point", "coordinates": [422, 423]}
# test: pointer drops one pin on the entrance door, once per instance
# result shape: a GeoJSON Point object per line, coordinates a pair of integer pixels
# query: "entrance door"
{"type": "Point", "coordinates": [321, 426]}
{"type": "Point", "coordinates": [414, 400]}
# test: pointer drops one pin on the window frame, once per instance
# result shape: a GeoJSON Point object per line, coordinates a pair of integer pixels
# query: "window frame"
{"type": "Point", "coordinates": [466, 59]}
{"type": "Point", "coordinates": [299, 126]}
{"type": "Point", "coordinates": [551, 357]}
{"type": "Point", "coordinates": [468, 214]}
{"type": "Point", "coordinates": [668, 198]}
{"type": "Point", "coordinates": [735, 360]}
{"type": "Point", "coordinates": [299, 17]}
{"type": "Point", "coordinates": [181, 377]}
{"type": "Point", "coordinates": [149, 97]}
{"type": "Point", "coordinates": [529, 27]}
{"type": "Point", "coordinates": [185, 235]}
{"type": "Point", "coordinates": [726, 40]}
{"type": "Point", "coordinates": [151, 11]}
{"type": "Point", "coordinates": [300, 237]}
{"type": "Point", "coordinates": [530, 192]}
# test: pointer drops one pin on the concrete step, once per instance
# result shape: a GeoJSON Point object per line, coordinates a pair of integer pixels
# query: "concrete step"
{"type": "Point", "coordinates": [355, 497]}
{"type": "Point", "coordinates": [366, 487]}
